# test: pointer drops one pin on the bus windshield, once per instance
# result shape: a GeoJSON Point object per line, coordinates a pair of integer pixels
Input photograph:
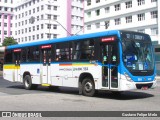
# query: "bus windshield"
{"type": "Point", "coordinates": [137, 52]}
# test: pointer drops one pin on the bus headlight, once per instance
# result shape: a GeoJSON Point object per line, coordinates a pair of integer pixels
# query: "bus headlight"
{"type": "Point", "coordinates": [128, 77]}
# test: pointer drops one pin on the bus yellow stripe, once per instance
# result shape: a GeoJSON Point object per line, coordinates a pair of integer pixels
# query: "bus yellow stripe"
{"type": "Point", "coordinates": [11, 67]}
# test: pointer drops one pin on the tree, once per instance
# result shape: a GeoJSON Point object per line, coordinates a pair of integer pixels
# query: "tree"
{"type": "Point", "coordinates": [9, 41]}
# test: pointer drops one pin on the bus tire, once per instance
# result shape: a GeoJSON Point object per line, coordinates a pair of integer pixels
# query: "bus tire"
{"type": "Point", "coordinates": [27, 82]}
{"type": "Point", "coordinates": [88, 87]}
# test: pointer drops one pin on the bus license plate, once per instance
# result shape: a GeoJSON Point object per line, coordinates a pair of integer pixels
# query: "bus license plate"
{"type": "Point", "coordinates": [144, 88]}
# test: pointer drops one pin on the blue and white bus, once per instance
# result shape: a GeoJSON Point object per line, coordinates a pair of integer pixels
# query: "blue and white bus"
{"type": "Point", "coordinates": [111, 60]}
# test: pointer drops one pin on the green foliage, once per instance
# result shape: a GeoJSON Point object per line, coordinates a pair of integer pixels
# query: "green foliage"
{"type": "Point", "coordinates": [9, 41]}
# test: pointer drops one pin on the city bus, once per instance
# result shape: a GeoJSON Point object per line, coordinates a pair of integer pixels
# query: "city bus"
{"type": "Point", "coordinates": [113, 61]}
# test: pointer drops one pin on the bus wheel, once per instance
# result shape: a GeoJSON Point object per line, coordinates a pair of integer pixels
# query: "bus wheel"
{"type": "Point", "coordinates": [27, 82]}
{"type": "Point", "coordinates": [88, 87]}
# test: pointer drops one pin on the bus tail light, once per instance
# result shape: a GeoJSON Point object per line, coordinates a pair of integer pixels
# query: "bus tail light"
{"type": "Point", "coordinates": [128, 77]}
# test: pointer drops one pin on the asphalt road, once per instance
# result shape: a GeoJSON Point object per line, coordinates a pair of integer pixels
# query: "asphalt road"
{"type": "Point", "coordinates": [13, 97]}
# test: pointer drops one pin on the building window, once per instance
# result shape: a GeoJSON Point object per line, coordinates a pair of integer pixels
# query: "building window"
{"type": "Point", "coordinates": [88, 27]}
{"type": "Point", "coordinates": [141, 17]}
{"type": "Point", "coordinates": [37, 27]}
{"type": "Point", "coordinates": [42, 35]}
{"type": "Point", "coordinates": [128, 4]}
{"type": "Point", "coordinates": [89, 14]}
{"type": "Point", "coordinates": [97, 25]}
{"type": "Point", "coordinates": [141, 30]}
{"type": "Point", "coordinates": [33, 28]}
{"type": "Point", "coordinates": [42, 17]}
{"type": "Point", "coordinates": [42, 7]}
{"type": "Point", "coordinates": [88, 2]}
{"type": "Point", "coordinates": [153, 0]}
{"type": "Point", "coordinates": [29, 38]}
{"type": "Point", "coordinates": [154, 14]}
{"type": "Point", "coordinates": [5, 16]}
{"type": "Point", "coordinates": [117, 7]}
{"type": "Point", "coordinates": [97, 1]}
{"type": "Point", "coordinates": [54, 17]}
{"type": "Point", "coordinates": [54, 26]}
{"type": "Point", "coordinates": [37, 36]}
{"type": "Point", "coordinates": [49, 16]}
{"type": "Point", "coordinates": [22, 31]}
{"type": "Point", "coordinates": [5, 9]}
{"type": "Point", "coordinates": [49, 35]}
{"type": "Point", "coordinates": [97, 12]}
{"type": "Point", "coordinates": [37, 9]}
{"type": "Point", "coordinates": [25, 30]}
{"type": "Point", "coordinates": [37, 18]}
{"type": "Point", "coordinates": [22, 23]}
{"type": "Point", "coordinates": [49, 7]}
{"type": "Point", "coordinates": [107, 9]}
{"type": "Point", "coordinates": [34, 10]}
{"type": "Point", "coordinates": [117, 21]}
{"type": "Point", "coordinates": [54, 35]}
{"type": "Point", "coordinates": [25, 38]}
{"type": "Point", "coordinates": [33, 37]}
{"type": "Point", "coordinates": [29, 12]}
{"type": "Point", "coordinates": [141, 2]}
{"type": "Point", "coordinates": [48, 26]}
{"type": "Point", "coordinates": [41, 26]}
{"type": "Point", "coordinates": [55, 8]}
{"type": "Point", "coordinates": [29, 29]}
{"type": "Point", "coordinates": [154, 31]}
{"type": "Point", "coordinates": [5, 32]}
{"type": "Point", "coordinates": [26, 13]}
{"type": "Point", "coordinates": [128, 19]}
{"type": "Point", "coordinates": [106, 24]}
{"type": "Point", "coordinates": [5, 24]}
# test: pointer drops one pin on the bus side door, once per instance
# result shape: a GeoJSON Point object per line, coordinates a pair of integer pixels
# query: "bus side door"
{"type": "Point", "coordinates": [46, 64]}
{"type": "Point", "coordinates": [17, 57]}
{"type": "Point", "coordinates": [110, 65]}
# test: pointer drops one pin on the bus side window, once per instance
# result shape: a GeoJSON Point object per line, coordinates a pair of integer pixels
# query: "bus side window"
{"type": "Point", "coordinates": [63, 51]}
{"type": "Point", "coordinates": [24, 52]}
{"type": "Point", "coordinates": [8, 56]}
{"type": "Point", "coordinates": [83, 50]}
{"type": "Point", "coordinates": [33, 54]}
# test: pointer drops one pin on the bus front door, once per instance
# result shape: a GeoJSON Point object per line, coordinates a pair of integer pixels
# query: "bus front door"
{"type": "Point", "coordinates": [46, 67]}
{"type": "Point", "coordinates": [17, 57]}
{"type": "Point", "coordinates": [110, 65]}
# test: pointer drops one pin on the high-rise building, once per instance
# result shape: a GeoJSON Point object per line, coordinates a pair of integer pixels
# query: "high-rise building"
{"type": "Point", "coordinates": [135, 15]}
{"type": "Point", "coordinates": [6, 19]}
{"type": "Point", "coordinates": [35, 20]}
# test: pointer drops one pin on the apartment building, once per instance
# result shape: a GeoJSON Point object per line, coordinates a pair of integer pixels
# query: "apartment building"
{"type": "Point", "coordinates": [136, 15]}
{"type": "Point", "coordinates": [33, 20]}
{"type": "Point", "coordinates": [6, 19]}
{"type": "Point", "coordinates": [52, 19]}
